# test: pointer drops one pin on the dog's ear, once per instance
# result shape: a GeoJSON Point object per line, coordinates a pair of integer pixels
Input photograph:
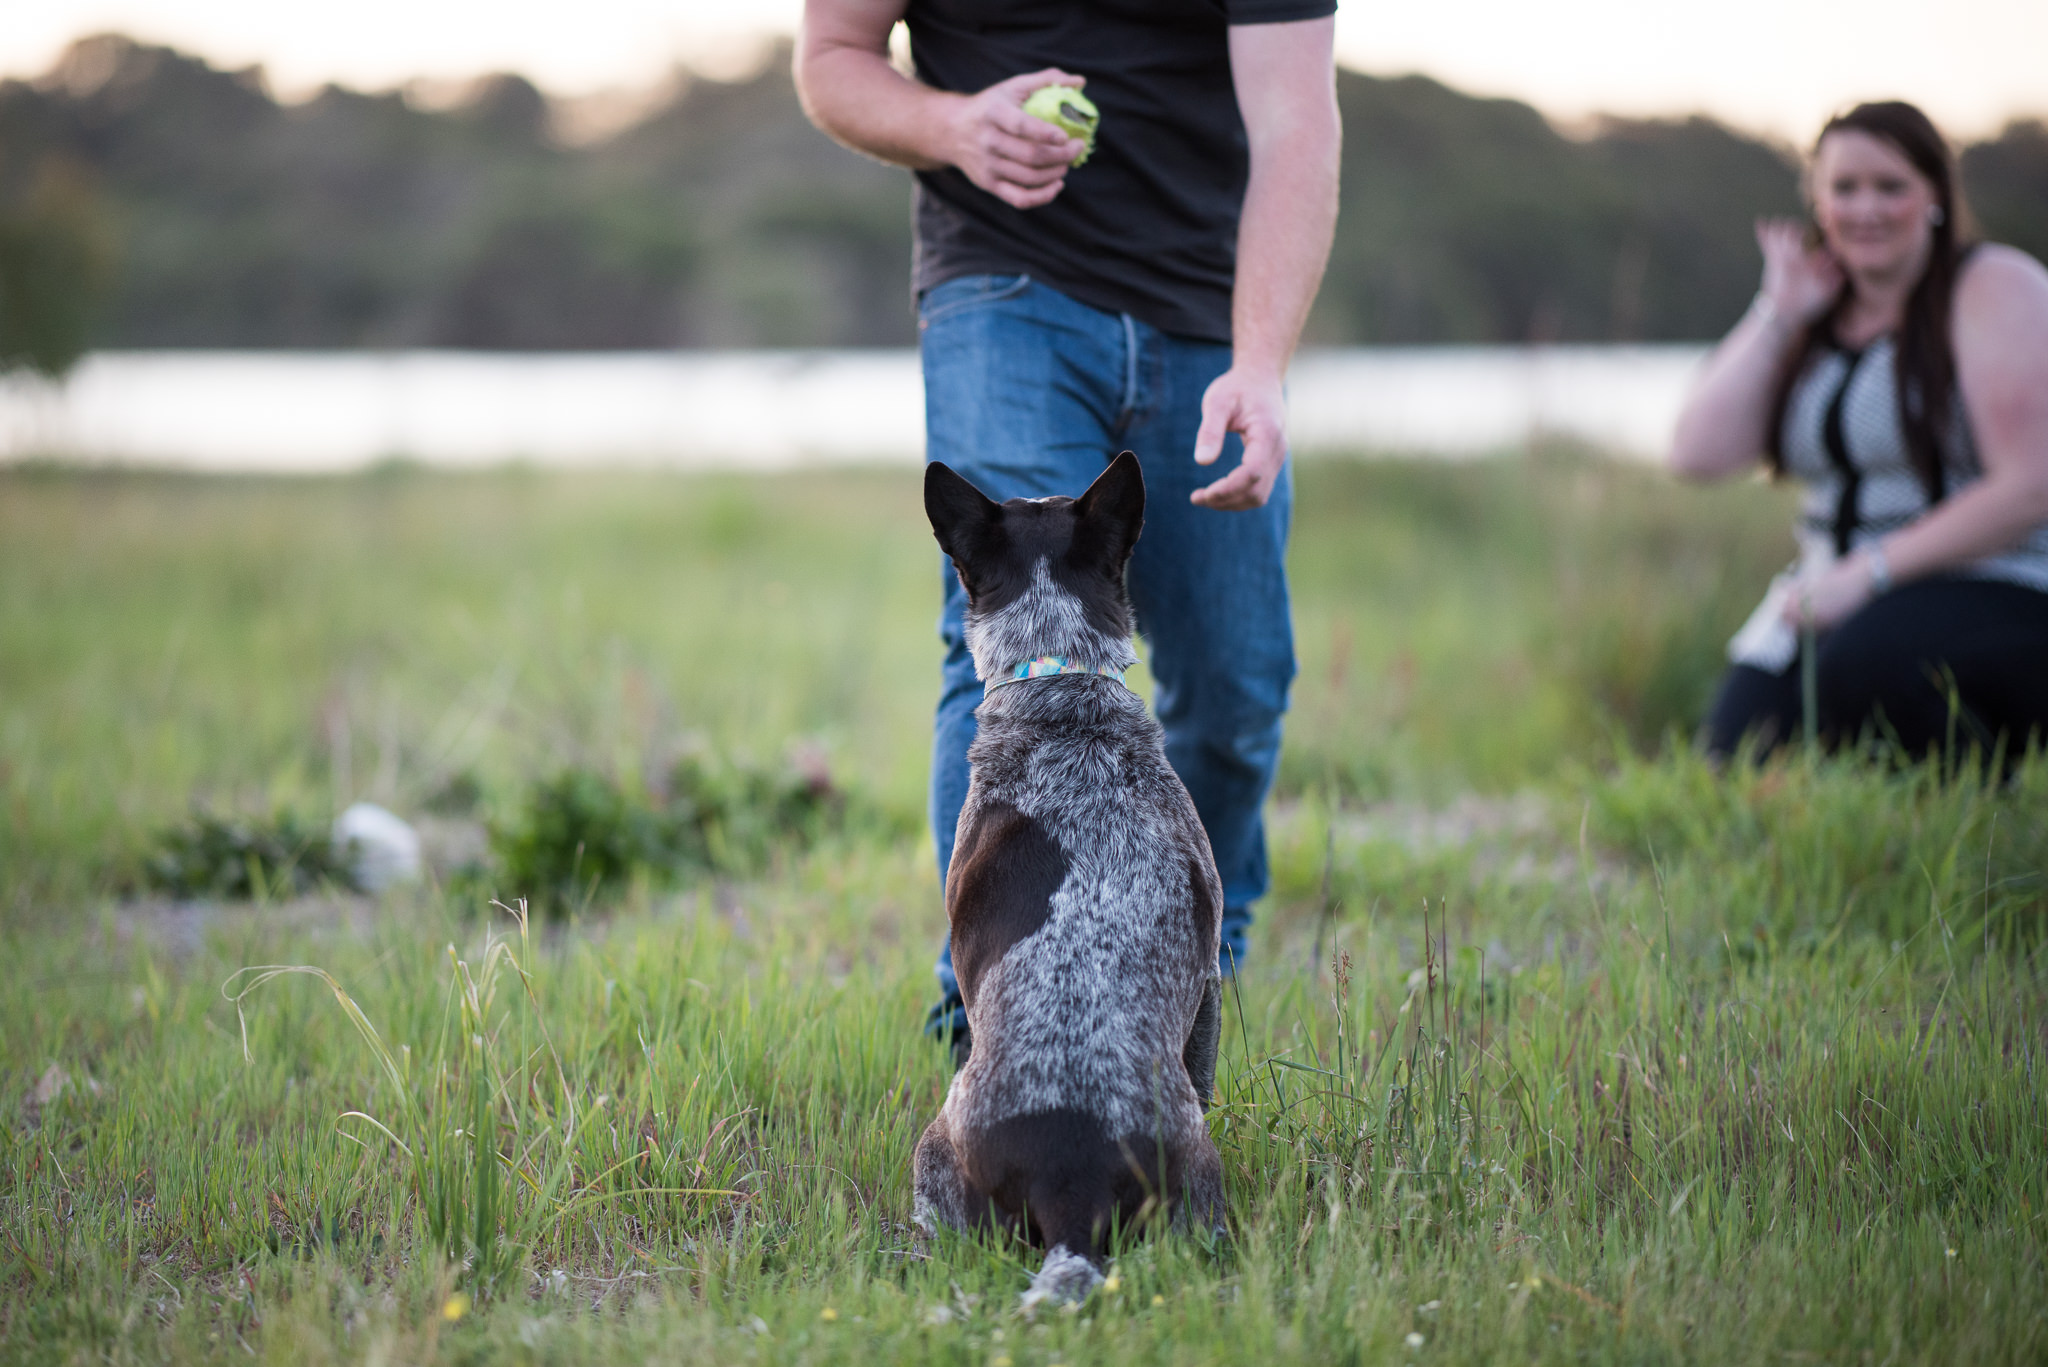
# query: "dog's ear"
{"type": "Point", "coordinates": [966, 521]}
{"type": "Point", "coordinates": [1109, 517]}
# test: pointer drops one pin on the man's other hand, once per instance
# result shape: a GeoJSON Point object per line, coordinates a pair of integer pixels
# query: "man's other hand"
{"type": "Point", "coordinates": [1254, 406]}
{"type": "Point", "coordinates": [1021, 160]}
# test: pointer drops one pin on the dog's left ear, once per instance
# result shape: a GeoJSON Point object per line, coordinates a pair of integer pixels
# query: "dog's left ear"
{"type": "Point", "coordinates": [1110, 516]}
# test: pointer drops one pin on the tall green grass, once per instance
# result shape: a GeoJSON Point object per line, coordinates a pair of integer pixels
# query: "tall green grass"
{"type": "Point", "coordinates": [1643, 1063]}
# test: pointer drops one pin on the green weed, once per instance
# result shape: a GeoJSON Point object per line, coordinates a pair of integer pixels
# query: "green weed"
{"type": "Point", "coordinates": [581, 835]}
{"type": "Point", "coordinates": [245, 858]}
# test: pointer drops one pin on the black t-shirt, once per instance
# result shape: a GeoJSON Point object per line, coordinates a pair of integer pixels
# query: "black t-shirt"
{"type": "Point", "coordinates": [1149, 225]}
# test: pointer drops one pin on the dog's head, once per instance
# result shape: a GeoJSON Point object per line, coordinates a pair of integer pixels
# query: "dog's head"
{"type": "Point", "coordinates": [1044, 576]}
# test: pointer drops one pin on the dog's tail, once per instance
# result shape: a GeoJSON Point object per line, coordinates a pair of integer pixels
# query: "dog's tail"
{"type": "Point", "coordinates": [1073, 1208]}
{"type": "Point", "coordinates": [1066, 1277]}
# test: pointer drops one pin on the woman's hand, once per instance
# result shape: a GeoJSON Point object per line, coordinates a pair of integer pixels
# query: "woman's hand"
{"type": "Point", "coordinates": [1721, 429]}
{"type": "Point", "coordinates": [1799, 281]}
{"type": "Point", "coordinates": [1832, 596]}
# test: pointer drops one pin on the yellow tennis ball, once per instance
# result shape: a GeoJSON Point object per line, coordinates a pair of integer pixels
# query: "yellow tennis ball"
{"type": "Point", "coordinates": [1068, 110]}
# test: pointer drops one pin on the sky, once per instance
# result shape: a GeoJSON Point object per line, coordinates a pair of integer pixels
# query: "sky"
{"type": "Point", "coordinates": [1771, 66]}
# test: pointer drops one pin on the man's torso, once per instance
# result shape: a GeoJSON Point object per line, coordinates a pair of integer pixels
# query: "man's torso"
{"type": "Point", "coordinates": [1148, 226]}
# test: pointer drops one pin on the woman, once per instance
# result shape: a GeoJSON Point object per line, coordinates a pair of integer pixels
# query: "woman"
{"type": "Point", "coordinates": [1902, 376]}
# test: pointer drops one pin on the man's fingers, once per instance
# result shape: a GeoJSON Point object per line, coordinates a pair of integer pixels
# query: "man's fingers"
{"type": "Point", "coordinates": [1023, 85]}
{"type": "Point", "coordinates": [1028, 199]}
{"type": "Point", "coordinates": [1036, 156]}
{"type": "Point", "coordinates": [1012, 120]}
{"type": "Point", "coordinates": [1026, 177]}
{"type": "Point", "coordinates": [1019, 197]}
{"type": "Point", "coordinates": [1003, 172]}
{"type": "Point", "coordinates": [1220, 495]}
{"type": "Point", "coordinates": [1215, 426]}
{"type": "Point", "coordinates": [1225, 492]}
{"type": "Point", "coordinates": [1251, 483]}
{"type": "Point", "coordinates": [1236, 491]}
{"type": "Point", "coordinates": [1013, 92]}
{"type": "Point", "coordinates": [1262, 447]}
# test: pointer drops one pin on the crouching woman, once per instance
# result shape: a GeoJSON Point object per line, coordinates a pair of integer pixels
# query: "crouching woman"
{"type": "Point", "coordinates": [1900, 374]}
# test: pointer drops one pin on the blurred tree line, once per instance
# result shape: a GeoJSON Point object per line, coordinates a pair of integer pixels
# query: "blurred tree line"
{"type": "Point", "coordinates": [55, 260]}
{"type": "Point", "coordinates": [148, 199]}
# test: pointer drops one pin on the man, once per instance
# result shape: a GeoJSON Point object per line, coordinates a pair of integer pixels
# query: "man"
{"type": "Point", "coordinates": [1149, 298]}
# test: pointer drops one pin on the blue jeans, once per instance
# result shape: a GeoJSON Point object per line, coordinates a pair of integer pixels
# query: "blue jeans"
{"type": "Point", "coordinates": [1028, 394]}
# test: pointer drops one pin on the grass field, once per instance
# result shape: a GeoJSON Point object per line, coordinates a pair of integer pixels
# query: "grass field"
{"type": "Point", "coordinates": [1556, 1045]}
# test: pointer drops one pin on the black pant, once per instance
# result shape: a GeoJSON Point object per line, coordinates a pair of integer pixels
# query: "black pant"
{"type": "Point", "coordinates": [1892, 669]}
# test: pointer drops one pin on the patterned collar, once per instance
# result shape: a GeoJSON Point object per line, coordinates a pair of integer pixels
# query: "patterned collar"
{"type": "Point", "coordinates": [1046, 667]}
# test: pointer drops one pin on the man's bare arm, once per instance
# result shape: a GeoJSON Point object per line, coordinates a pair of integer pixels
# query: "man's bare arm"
{"type": "Point", "coordinates": [851, 92]}
{"type": "Point", "coordinates": [1286, 89]}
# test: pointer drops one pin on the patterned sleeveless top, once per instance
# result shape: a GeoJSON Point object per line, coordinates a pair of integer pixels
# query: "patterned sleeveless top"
{"type": "Point", "coordinates": [1843, 440]}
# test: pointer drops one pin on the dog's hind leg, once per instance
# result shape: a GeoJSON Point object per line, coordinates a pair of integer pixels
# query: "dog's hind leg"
{"type": "Point", "coordinates": [1201, 1201]}
{"type": "Point", "coordinates": [1204, 1039]}
{"type": "Point", "coordinates": [941, 1191]}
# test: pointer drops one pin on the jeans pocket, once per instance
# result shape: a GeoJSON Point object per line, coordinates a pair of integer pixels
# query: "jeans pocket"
{"type": "Point", "coordinates": [967, 292]}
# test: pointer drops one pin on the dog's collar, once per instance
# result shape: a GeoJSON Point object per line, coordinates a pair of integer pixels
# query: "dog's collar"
{"type": "Point", "coordinates": [1046, 667]}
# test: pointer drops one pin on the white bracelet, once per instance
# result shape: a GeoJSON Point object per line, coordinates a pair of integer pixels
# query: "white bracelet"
{"type": "Point", "coordinates": [1777, 324]}
{"type": "Point", "coordinates": [1880, 568]}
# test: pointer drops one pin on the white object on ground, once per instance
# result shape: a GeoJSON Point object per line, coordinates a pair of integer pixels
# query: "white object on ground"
{"type": "Point", "coordinates": [382, 849]}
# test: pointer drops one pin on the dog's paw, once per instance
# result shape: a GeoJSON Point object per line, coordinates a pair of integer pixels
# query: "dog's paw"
{"type": "Point", "coordinates": [1067, 1278]}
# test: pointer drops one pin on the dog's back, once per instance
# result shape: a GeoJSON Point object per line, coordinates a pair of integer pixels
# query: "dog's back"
{"type": "Point", "coordinates": [1083, 899]}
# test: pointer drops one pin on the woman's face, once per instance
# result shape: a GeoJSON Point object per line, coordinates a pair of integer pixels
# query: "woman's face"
{"type": "Point", "coordinates": [1871, 204]}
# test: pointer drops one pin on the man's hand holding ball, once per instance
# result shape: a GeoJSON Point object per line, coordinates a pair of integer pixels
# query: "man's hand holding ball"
{"type": "Point", "coordinates": [1020, 158]}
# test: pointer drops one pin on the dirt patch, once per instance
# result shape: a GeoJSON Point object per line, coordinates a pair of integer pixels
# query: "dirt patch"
{"type": "Point", "coordinates": [1518, 838]}
{"type": "Point", "coordinates": [179, 928]}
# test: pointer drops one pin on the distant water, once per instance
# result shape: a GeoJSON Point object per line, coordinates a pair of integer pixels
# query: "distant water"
{"type": "Point", "coordinates": [329, 411]}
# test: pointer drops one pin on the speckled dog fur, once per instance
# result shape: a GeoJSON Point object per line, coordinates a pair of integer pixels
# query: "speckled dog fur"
{"type": "Point", "coordinates": [1084, 905]}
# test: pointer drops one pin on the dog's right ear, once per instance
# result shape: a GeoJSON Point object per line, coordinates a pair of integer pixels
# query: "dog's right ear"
{"type": "Point", "coordinates": [965, 520]}
{"type": "Point", "coordinates": [1110, 515]}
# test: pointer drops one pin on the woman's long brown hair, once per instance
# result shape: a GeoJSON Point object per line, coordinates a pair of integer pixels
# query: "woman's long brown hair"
{"type": "Point", "coordinates": [1925, 360]}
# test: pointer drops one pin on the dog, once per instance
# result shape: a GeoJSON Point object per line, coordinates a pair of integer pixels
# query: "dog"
{"type": "Point", "coordinates": [1083, 899]}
